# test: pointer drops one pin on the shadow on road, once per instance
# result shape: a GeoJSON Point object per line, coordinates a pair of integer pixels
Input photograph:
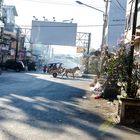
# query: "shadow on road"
{"type": "Point", "coordinates": [49, 106]}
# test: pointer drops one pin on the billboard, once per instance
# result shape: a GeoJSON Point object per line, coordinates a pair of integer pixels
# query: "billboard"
{"type": "Point", "coordinates": [53, 33]}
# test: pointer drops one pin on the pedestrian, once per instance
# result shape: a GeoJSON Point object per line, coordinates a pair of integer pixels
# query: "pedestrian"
{"type": "Point", "coordinates": [44, 68]}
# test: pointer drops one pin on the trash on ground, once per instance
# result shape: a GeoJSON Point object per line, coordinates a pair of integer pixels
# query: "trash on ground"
{"type": "Point", "coordinates": [97, 90]}
{"type": "Point", "coordinates": [84, 97]}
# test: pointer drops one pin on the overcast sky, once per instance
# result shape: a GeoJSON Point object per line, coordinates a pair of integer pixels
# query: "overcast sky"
{"type": "Point", "coordinates": [88, 19]}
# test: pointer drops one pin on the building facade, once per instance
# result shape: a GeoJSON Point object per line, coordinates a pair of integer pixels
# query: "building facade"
{"type": "Point", "coordinates": [8, 42]}
{"type": "Point", "coordinates": [129, 24]}
{"type": "Point", "coordinates": [12, 44]}
{"type": "Point", "coordinates": [9, 13]}
{"type": "Point", "coordinates": [137, 41]}
{"type": "Point", "coordinates": [116, 22]}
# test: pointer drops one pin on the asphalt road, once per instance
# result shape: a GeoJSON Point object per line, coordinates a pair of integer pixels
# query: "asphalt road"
{"type": "Point", "coordinates": [35, 106]}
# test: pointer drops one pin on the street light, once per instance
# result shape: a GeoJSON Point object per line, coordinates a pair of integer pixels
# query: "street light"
{"type": "Point", "coordinates": [81, 3]}
{"type": "Point", "coordinates": [68, 21]}
{"type": "Point", "coordinates": [104, 19]}
{"type": "Point", "coordinates": [35, 18]}
{"type": "Point", "coordinates": [45, 18]}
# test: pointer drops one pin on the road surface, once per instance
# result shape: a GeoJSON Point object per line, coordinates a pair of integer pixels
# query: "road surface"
{"type": "Point", "coordinates": [36, 106]}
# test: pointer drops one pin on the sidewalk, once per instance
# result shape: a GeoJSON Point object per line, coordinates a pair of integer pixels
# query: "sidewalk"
{"type": "Point", "coordinates": [108, 111]}
{"type": "Point", "coordinates": [90, 76]}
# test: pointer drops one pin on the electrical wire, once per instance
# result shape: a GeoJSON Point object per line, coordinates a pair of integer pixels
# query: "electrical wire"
{"type": "Point", "coordinates": [57, 3]}
{"type": "Point", "coordinates": [120, 5]}
{"type": "Point", "coordinates": [27, 26]}
{"type": "Point", "coordinates": [120, 11]}
{"type": "Point", "coordinates": [50, 2]}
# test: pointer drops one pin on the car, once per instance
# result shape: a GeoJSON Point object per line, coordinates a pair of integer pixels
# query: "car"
{"type": "Point", "coordinates": [14, 65]}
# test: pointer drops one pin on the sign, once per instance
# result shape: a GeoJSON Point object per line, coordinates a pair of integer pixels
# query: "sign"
{"type": "Point", "coordinates": [81, 49]}
{"type": "Point", "coordinates": [12, 52]}
{"type": "Point", "coordinates": [53, 33]}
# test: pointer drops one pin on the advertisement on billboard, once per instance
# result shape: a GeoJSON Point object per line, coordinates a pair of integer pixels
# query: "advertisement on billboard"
{"type": "Point", "coordinates": [53, 33]}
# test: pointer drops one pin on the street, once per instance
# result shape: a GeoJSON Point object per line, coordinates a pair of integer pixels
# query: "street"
{"type": "Point", "coordinates": [36, 106]}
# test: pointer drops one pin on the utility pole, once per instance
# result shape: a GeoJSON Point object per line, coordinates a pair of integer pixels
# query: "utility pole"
{"type": "Point", "coordinates": [104, 48]}
{"type": "Point", "coordinates": [88, 47]}
{"type": "Point", "coordinates": [103, 43]}
{"type": "Point", "coordinates": [104, 18]}
{"type": "Point", "coordinates": [1, 22]}
{"type": "Point", "coordinates": [104, 25]}
{"type": "Point", "coordinates": [1, 29]}
{"type": "Point", "coordinates": [1, 2]}
{"type": "Point", "coordinates": [89, 41]}
{"type": "Point", "coordinates": [1, 9]}
{"type": "Point", "coordinates": [131, 53]}
{"type": "Point", "coordinates": [17, 38]}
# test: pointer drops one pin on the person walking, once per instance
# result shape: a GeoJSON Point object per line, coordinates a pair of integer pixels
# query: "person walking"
{"type": "Point", "coordinates": [44, 68]}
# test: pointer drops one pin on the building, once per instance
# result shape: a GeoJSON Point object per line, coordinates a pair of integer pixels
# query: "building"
{"type": "Point", "coordinates": [137, 38]}
{"type": "Point", "coordinates": [129, 27]}
{"type": "Point", "coordinates": [116, 22]}
{"type": "Point", "coordinates": [12, 44]}
{"type": "Point", "coordinates": [138, 19]}
{"type": "Point", "coordinates": [41, 53]}
{"type": "Point", "coordinates": [9, 36]}
{"type": "Point", "coordinates": [9, 13]}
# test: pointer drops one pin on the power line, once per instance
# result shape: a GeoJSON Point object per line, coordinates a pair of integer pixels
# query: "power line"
{"type": "Point", "coordinates": [120, 5]}
{"type": "Point", "coordinates": [114, 5]}
{"type": "Point", "coordinates": [50, 2]}
{"type": "Point", "coordinates": [56, 3]}
{"type": "Point", "coordinates": [27, 26]}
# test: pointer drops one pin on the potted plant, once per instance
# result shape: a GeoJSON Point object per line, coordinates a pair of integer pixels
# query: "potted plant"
{"type": "Point", "coordinates": [129, 80]}
{"type": "Point", "coordinates": [129, 106]}
{"type": "Point", "coordinates": [119, 74]}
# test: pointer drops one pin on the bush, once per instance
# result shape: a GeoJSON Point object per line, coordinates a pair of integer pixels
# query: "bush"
{"type": "Point", "coordinates": [119, 72]}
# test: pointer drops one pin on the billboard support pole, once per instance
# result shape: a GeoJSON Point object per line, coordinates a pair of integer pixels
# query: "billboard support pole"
{"type": "Point", "coordinates": [89, 42]}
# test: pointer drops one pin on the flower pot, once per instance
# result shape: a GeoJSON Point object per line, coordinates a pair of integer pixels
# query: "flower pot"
{"type": "Point", "coordinates": [129, 111]}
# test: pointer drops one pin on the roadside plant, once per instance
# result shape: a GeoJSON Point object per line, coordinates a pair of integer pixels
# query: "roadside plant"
{"type": "Point", "coordinates": [118, 72]}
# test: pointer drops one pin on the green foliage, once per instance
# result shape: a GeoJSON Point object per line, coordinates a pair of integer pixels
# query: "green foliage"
{"type": "Point", "coordinates": [118, 72]}
{"type": "Point", "coordinates": [91, 65]}
{"type": "Point", "coordinates": [93, 68]}
{"type": "Point", "coordinates": [112, 70]}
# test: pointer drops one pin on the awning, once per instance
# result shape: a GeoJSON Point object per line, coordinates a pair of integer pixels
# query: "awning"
{"type": "Point", "coordinates": [11, 34]}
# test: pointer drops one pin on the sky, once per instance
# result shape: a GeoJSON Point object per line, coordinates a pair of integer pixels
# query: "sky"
{"type": "Point", "coordinates": [87, 19]}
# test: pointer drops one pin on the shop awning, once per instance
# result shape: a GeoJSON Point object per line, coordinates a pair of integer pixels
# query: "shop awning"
{"type": "Point", "coordinates": [11, 34]}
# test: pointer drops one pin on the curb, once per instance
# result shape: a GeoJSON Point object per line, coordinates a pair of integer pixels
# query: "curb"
{"type": "Point", "coordinates": [88, 76]}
